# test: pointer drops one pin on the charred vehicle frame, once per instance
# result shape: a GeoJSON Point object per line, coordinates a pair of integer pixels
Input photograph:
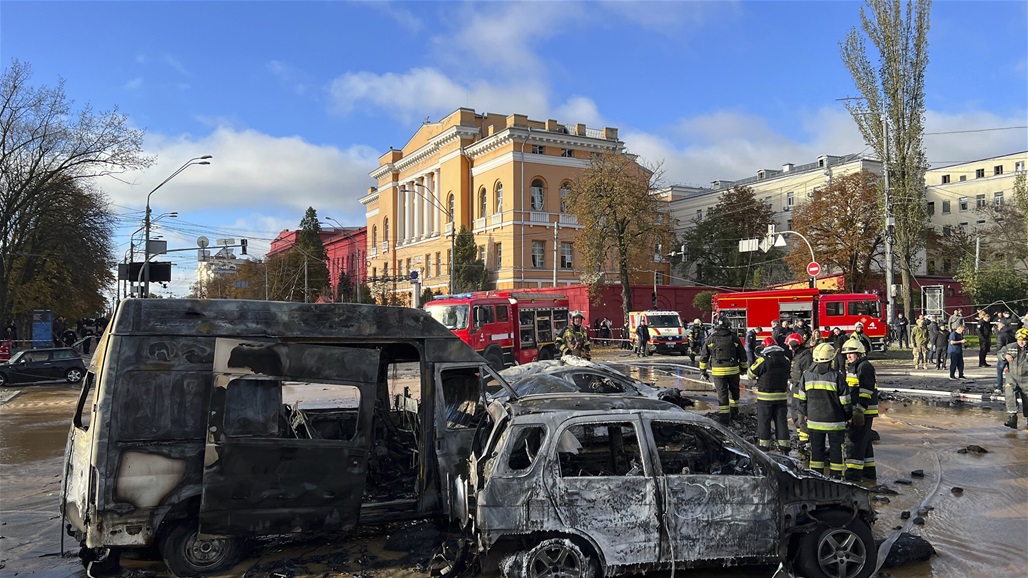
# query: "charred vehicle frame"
{"type": "Point", "coordinates": [589, 485]}
{"type": "Point", "coordinates": [201, 423]}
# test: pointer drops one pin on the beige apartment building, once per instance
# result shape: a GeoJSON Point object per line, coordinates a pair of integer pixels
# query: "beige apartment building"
{"type": "Point", "coordinates": [505, 179]}
{"type": "Point", "coordinates": [956, 193]}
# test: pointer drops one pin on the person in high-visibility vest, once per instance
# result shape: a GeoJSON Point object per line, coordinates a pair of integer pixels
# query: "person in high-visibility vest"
{"type": "Point", "coordinates": [723, 356]}
{"type": "Point", "coordinates": [824, 401]}
{"type": "Point", "coordinates": [771, 371]}
{"type": "Point", "coordinates": [863, 384]}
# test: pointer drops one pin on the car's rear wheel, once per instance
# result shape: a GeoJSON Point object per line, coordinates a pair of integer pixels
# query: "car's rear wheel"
{"type": "Point", "coordinates": [187, 554]}
{"type": "Point", "coordinates": [74, 375]}
{"type": "Point", "coordinates": [840, 546]}
{"type": "Point", "coordinates": [3, 380]}
{"type": "Point", "coordinates": [551, 558]}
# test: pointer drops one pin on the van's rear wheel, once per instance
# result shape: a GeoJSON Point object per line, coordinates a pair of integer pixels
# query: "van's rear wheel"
{"type": "Point", "coordinates": [551, 558]}
{"type": "Point", "coordinates": [187, 554]}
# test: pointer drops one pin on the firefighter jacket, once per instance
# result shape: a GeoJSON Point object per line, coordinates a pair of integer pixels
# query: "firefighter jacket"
{"type": "Point", "coordinates": [803, 361]}
{"type": "Point", "coordinates": [1019, 366]}
{"type": "Point", "coordinates": [863, 384]}
{"type": "Point", "coordinates": [824, 398]}
{"type": "Point", "coordinates": [573, 338]}
{"type": "Point", "coordinates": [723, 353]}
{"type": "Point", "coordinates": [863, 338]}
{"type": "Point", "coordinates": [771, 370]}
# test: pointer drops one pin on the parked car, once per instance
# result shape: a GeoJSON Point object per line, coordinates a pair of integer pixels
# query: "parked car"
{"type": "Point", "coordinates": [569, 375]}
{"type": "Point", "coordinates": [33, 365]}
{"type": "Point", "coordinates": [585, 485]}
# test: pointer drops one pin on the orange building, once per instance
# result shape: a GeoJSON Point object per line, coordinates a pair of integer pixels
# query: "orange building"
{"type": "Point", "coordinates": [502, 177]}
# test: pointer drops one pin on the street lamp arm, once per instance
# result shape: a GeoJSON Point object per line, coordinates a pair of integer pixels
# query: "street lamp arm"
{"type": "Point", "coordinates": [800, 235]}
{"type": "Point", "coordinates": [193, 161]}
{"type": "Point", "coordinates": [431, 200]}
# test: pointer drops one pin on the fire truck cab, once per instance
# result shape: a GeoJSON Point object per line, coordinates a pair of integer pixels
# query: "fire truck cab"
{"type": "Point", "coordinates": [825, 311]}
{"type": "Point", "coordinates": [505, 327]}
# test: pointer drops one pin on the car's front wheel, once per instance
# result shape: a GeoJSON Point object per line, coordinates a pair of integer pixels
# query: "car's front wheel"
{"type": "Point", "coordinates": [551, 558]}
{"type": "Point", "coordinates": [187, 554]}
{"type": "Point", "coordinates": [74, 375]}
{"type": "Point", "coordinates": [840, 546]}
{"type": "Point", "coordinates": [3, 380]}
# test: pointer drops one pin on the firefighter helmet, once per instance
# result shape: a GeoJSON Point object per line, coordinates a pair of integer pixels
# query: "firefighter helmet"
{"type": "Point", "coordinates": [853, 346]}
{"type": "Point", "coordinates": [859, 325]}
{"type": "Point", "coordinates": [1021, 334]}
{"type": "Point", "coordinates": [723, 322]}
{"type": "Point", "coordinates": [577, 313]}
{"type": "Point", "coordinates": [697, 321]}
{"type": "Point", "coordinates": [794, 339]}
{"type": "Point", "coordinates": [768, 342]}
{"type": "Point", "coordinates": [824, 353]}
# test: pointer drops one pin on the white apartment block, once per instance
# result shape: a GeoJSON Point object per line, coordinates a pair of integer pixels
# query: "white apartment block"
{"type": "Point", "coordinates": [953, 192]}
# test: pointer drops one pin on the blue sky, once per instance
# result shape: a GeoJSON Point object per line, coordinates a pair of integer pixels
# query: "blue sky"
{"type": "Point", "coordinates": [296, 100]}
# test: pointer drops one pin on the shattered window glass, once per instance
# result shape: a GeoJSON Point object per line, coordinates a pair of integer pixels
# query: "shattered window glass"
{"type": "Point", "coordinates": [253, 407]}
{"type": "Point", "coordinates": [462, 389]}
{"type": "Point", "coordinates": [525, 447]}
{"type": "Point", "coordinates": [321, 411]}
{"type": "Point", "coordinates": [681, 449]}
{"type": "Point", "coordinates": [587, 450]}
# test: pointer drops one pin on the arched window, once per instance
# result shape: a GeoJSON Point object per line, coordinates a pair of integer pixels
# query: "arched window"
{"type": "Point", "coordinates": [499, 197]}
{"type": "Point", "coordinates": [385, 230]}
{"type": "Point", "coordinates": [374, 236]}
{"type": "Point", "coordinates": [538, 194]}
{"type": "Point", "coordinates": [449, 206]}
{"type": "Point", "coordinates": [565, 190]}
{"type": "Point", "coordinates": [481, 202]}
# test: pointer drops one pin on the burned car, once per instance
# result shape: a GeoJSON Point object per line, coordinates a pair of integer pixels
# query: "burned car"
{"type": "Point", "coordinates": [593, 485]}
{"type": "Point", "coordinates": [203, 423]}
{"type": "Point", "coordinates": [573, 374]}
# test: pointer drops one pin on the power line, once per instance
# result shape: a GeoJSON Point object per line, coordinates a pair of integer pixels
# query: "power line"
{"type": "Point", "coordinates": [975, 130]}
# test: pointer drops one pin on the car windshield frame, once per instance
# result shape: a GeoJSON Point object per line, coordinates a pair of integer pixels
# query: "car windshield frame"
{"type": "Point", "coordinates": [663, 321]}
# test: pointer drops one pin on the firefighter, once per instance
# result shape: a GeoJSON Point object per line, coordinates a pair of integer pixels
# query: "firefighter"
{"type": "Point", "coordinates": [723, 353]}
{"type": "Point", "coordinates": [696, 336]}
{"type": "Point", "coordinates": [1016, 357]}
{"type": "Point", "coordinates": [863, 386]}
{"type": "Point", "coordinates": [824, 400]}
{"type": "Point", "coordinates": [574, 339]}
{"type": "Point", "coordinates": [771, 371]}
{"type": "Point", "coordinates": [793, 343]}
{"type": "Point", "coordinates": [802, 360]}
{"type": "Point", "coordinates": [858, 333]}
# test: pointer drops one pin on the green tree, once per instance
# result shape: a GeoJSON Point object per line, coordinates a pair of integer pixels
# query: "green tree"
{"type": "Point", "coordinates": [469, 271]}
{"type": "Point", "coordinates": [890, 113]}
{"type": "Point", "coordinates": [55, 226]}
{"type": "Point", "coordinates": [623, 220]}
{"type": "Point", "coordinates": [843, 224]}
{"type": "Point", "coordinates": [712, 244]}
{"type": "Point", "coordinates": [702, 302]}
{"type": "Point", "coordinates": [344, 289]}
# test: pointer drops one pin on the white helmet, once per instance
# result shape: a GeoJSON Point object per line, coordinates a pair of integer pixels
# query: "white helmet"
{"type": "Point", "coordinates": [577, 313]}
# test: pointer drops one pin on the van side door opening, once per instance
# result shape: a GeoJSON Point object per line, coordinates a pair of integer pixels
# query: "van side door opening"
{"type": "Point", "coordinates": [288, 437]}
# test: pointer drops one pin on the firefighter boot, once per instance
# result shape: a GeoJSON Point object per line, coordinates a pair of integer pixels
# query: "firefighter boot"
{"type": "Point", "coordinates": [724, 418]}
{"type": "Point", "coordinates": [733, 413]}
{"type": "Point", "coordinates": [1011, 421]}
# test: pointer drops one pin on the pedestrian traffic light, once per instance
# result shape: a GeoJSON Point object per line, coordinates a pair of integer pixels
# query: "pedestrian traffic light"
{"type": "Point", "coordinates": [242, 246]}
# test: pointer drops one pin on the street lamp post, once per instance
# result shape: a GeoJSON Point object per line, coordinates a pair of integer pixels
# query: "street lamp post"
{"type": "Point", "coordinates": [453, 222]}
{"type": "Point", "coordinates": [147, 222]}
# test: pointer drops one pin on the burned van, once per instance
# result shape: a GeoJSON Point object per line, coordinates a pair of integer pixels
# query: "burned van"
{"type": "Point", "coordinates": [203, 422]}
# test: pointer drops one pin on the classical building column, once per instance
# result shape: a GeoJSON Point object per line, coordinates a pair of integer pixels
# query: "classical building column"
{"type": "Point", "coordinates": [408, 212]}
{"type": "Point", "coordinates": [400, 228]}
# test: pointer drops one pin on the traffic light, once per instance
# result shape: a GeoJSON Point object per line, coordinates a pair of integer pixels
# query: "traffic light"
{"type": "Point", "coordinates": [653, 300]}
{"type": "Point", "coordinates": [242, 246]}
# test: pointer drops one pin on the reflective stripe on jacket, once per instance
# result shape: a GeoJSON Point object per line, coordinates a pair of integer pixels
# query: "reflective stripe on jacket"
{"type": "Point", "coordinates": [863, 384]}
{"type": "Point", "coordinates": [771, 370]}
{"type": "Point", "coordinates": [824, 398]}
{"type": "Point", "coordinates": [723, 353]}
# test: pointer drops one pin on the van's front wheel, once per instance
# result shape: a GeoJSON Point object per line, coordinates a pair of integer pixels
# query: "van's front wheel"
{"type": "Point", "coordinates": [187, 554]}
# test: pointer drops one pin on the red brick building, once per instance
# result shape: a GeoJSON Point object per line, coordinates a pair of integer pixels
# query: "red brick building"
{"type": "Point", "coordinates": [347, 250]}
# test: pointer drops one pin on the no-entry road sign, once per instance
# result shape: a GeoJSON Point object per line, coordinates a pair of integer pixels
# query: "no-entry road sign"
{"type": "Point", "coordinates": [813, 269]}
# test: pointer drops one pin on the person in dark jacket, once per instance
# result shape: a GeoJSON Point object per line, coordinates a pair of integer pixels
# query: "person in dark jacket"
{"type": "Point", "coordinates": [802, 360]}
{"type": "Point", "coordinates": [778, 332]}
{"type": "Point", "coordinates": [642, 337]}
{"type": "Point", "coordinates": [899, 327]}
{"type": "Point", "coordinates": [824, 400]}
{"type": "Point", "coordinates": [956, 352]}
{"type": "Point", "coordinates": [838, 338]}
{"type": "Point", "coordinates": [984, 337]}
{"type": "Point", "coordinates": [751, 345]}
{"type": "Point", "coordinates": [1016, 355]}
{"type": "Point", "coordinates": [863, 385]}
{"type": "Point", "coordinates": [933, 334]}
{"type": "Point", "coordinates": [941, 348]}
{"type": "Point", "coordinates": [723, 355]}
{"type": "Point", "coordinates": [1004, 337]}
{"type": "Point", "coordinates": [771, 371]}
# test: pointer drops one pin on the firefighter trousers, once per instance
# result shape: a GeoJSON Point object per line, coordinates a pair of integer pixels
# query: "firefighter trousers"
{"type": "Point", "coordinates": [727, 388]}
{"type": "Point", "coordinates": [860, 453]}
{"type": "Point", "coordinates": [835, 439]}
{"type": "Point", "coordinates": [797, 420]}
{"type": "Point", "coordinates": [773, 413]}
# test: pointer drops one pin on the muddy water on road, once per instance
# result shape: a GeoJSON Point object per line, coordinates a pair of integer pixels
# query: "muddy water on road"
{"type": "Point", "coordinates": [981, 532]}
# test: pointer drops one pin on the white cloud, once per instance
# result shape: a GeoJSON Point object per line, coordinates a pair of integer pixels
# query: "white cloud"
{"type": "Point", "coordinates": [423, 92]}
{"type": "Point", "coordinates": [288, 75]}
{"type": "Point", "coordinates": [953, 146]}
{"type": "Point", "coordinates": [134, 84]}
{"type": "Point", "coordinates": [580, 109]}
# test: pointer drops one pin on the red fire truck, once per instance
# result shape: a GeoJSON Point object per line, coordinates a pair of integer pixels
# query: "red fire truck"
{"type": "Point", "coordinates": [826, 311]}
{"type": "Point", "coordinates": [504, 326]}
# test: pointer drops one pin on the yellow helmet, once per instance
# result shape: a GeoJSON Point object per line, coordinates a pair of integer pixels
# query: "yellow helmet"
{"type": "Point", "coordinates": [853, 346]}
{"type": "Point", "coordinates": [824, 353]}
{"type": "Point", "coordinates": [1022, 333]}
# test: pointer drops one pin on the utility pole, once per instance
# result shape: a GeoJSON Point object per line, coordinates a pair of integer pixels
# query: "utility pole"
{"type": "Point", "coordinates": [890, 222]}
{"type": "Point", "coordinates": [555, 249]}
